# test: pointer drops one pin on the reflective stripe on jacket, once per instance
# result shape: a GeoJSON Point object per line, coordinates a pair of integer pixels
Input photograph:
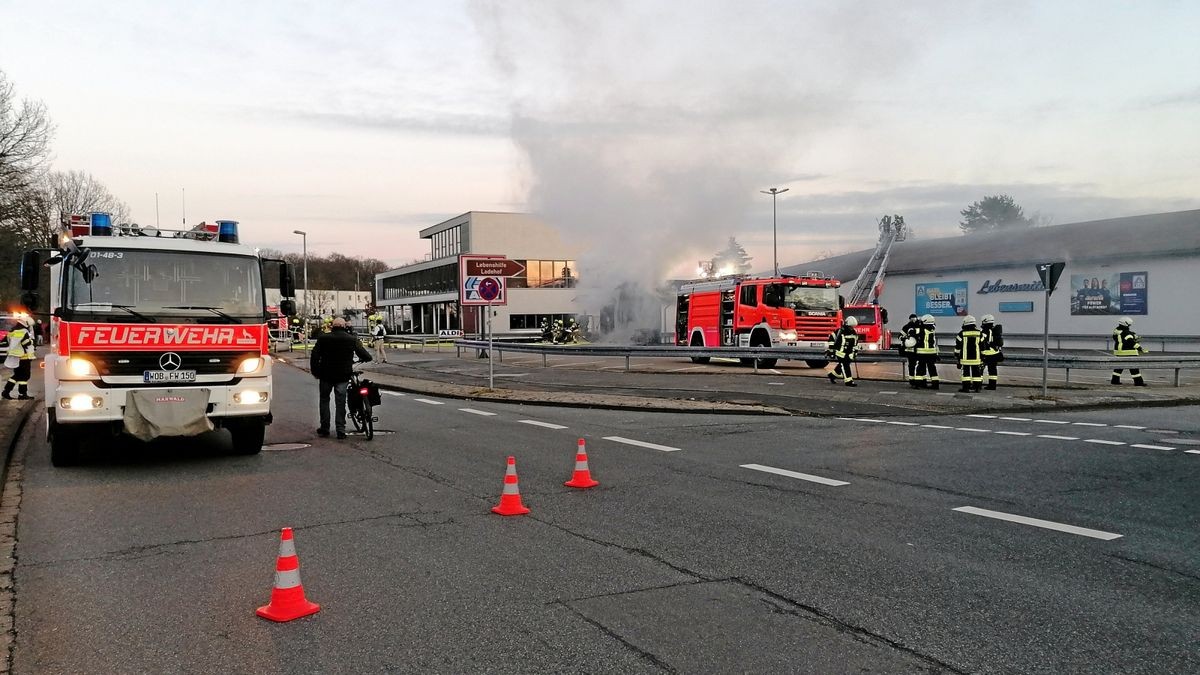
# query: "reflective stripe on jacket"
{"type": "Point", "coordinates": [927, 341]}
{"type": "Point", "coordinates": [967, 347]}
{"type": "Point", "coordinates": [1126, 343]}
{"type": "Point", "coordinates": [20, 344]}
{"type": "Point", "coordinates": [993, 342]}
{"type": "Point", "coordinates": [844, 343]}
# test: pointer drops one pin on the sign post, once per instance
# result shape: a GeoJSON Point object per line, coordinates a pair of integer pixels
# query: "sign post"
{"type": "Point", "coordinates": [1049, 273]}
{"type": "Point", "coordinates": [483, 283]}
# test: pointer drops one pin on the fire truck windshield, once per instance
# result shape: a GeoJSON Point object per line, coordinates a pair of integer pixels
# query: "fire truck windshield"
{"type": "Point", "coordinates": [152, 284]}
{"type": "Point", "coordinates": [809, 298]}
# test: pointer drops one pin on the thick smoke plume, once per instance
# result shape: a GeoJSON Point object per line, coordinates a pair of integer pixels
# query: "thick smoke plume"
{"type": "Point", "coordinates": [649, 127]}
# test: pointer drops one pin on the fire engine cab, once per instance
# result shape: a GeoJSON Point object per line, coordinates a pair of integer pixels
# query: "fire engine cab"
{"type": "Point", "coordinates": [155, 333]}
{"type": "Point", "coordinates": [740, 311]}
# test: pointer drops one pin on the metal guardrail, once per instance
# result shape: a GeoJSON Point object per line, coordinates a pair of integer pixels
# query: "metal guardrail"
{"type": "Point", "coordinates": [1057, 361]}
{"type": "Point", "coordinates": [1101, 341]}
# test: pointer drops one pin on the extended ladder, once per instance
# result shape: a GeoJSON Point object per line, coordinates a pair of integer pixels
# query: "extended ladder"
{"type": "Point", "coordinates": [891, 230]}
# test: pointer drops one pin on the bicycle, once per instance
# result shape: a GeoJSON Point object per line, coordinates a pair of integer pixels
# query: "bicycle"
{"type": "Point", "coordinates": [361, 410]}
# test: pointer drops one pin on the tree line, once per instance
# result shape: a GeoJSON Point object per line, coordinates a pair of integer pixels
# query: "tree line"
{"type": "Point", "coordinates": [333, 272]}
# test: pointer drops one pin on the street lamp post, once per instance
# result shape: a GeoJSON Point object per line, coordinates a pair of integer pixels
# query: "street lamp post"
{"type": "Point", "coordinates": [306, 314]}
{"type": "Point", "coordinates": [774, 192]}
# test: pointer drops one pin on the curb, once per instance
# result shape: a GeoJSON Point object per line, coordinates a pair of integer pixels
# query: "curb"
{"type": "Point", "coordinates": [10, 504]}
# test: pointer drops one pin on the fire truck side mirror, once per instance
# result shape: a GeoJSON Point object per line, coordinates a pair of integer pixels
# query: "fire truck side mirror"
{"type": "Point", "coordinates": [883, 314]}
{"type": "Point", "coordinates": [287, 307]}
{"type": "Point", "coordinates": [841, 302]}
{"type": "Point", "coordinates": [287, 284]}
{"type": "Point", "coordinates": [29, 300]}
{"type": "Point", "coordinates": [31, 266]}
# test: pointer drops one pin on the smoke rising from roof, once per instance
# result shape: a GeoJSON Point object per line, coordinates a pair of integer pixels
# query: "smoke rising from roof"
{"type": "Point", "coordinates": [649, 127]}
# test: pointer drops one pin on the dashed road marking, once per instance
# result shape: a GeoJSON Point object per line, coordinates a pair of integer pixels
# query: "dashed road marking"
{"type": "Point", "coordinates": [391, 393]}
{"type": "Point", "coordinates": [1089, 424]}
{"type": "Point", "coordinates": [793, 474]}
{"type": "Point", "coordinates": [864, 419]}
{"type": "Point", "coordinates": [979, 431]}
{"type": "Point", "coordinates": [1037, 522]}
{"type": "Point", "coordinates": [887, 393]}
{"type": "Point", "coordinates": [547, 425]}
{"type": "Point", "coordinates": [1192, 452]}
{"type": "Point", "coordinates": [1101, 441]}
{"type": "Point", "coordinates": [903, 424]}
{"type": "Point", "coordinates": [945, 393]}
{"type": "Point", "coordinates": [1127, 426]}
{"type": "Point", "coordinates": [1052, 421]}
{"type": "Point", "coordinates": [477, 412]}
{"type": "Point", "coordinates": [641, 444]}
{"type": "Point", "coordinates": [935, 426]}
{"type": "Point", "coordinates": [1013, 433]}
{"type": "Point", "coordinates": [1058, 438]}
{"type": "Point", "coordinates": [1145, 446]}
{"type": "Point", "coordinates": [986, 417]}
{"type": "Point", "coordinates": [430, 402]}
{"type": "Point", "coordinates": [775, 384]}
{"type": "Point", "coordinates": [1017, 419]}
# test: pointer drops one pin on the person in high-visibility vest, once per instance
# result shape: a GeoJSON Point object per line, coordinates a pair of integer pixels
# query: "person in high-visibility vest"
{"type": "Point", "coordinates": [968, 348]}
{"type": "Point", "coordinates": [927, 354]}
{"type": "Point", "coordinates": [1127, 343]}
{"type": "Point", "coordinates": [908, 347]}
{"type": "Point", "coordinates": [842, 345]}
{"type": "Point", "coordinates": [21, 349]}
{"type": "Point", "coordinates": [993, 348]}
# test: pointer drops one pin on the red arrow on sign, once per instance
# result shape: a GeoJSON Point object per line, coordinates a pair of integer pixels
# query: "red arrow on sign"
{"type": "Point", "coordinates": [495, 267]}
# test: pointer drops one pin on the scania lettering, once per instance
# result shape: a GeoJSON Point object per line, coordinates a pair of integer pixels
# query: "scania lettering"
{"type": "Point", "coordinates": [737, 311]}
{"type": "Point", "coordinates": [155, 333]}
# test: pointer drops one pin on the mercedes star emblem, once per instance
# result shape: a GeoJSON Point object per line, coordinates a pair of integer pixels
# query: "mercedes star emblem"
{"type": "Point", "coordinates": [170, 361]}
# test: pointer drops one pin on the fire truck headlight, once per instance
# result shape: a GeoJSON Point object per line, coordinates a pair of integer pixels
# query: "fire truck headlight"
{"type": "Point", "coordinates": [250, 397]}
{"type": "Point", "coordinates": [872, 346]}
{"type": "Point", "coordinates": [81, 402]}
{"type": "Point", "coordinates": [788, 335]}
{"type": "Point", "coordinates": [78, 367]}
{"type": "Point", "coordinates": [250, 365]}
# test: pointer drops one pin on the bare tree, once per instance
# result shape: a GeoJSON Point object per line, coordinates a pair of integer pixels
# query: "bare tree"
{"type": "Point", "coordinates": [38, 217]}
{"type": "Point", "coordinates": [25, 133]}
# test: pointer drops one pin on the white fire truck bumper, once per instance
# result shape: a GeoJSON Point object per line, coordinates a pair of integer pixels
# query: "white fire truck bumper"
{"type": "Point", "coordinates": [78, 402]}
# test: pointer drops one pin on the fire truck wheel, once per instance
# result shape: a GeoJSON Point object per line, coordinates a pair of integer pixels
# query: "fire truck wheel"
{"type": "Point", "coordinates": [812, 363]}
{"type": "Point", "coordinates": [248, 436]}
{"type": "Point", "coordinates": [64, 445]}
{"type": "Point", "coordinates": [698, 359]}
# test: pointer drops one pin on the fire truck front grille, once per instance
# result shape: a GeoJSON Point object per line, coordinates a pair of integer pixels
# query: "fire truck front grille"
{"type": "Point", "coordinates": [136, 363]}
{"type": "Point", "coordinates": [815, 327]}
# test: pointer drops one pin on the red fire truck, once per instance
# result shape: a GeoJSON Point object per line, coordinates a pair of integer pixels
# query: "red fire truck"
{"type": "Point", "coordinates": [740, 311]}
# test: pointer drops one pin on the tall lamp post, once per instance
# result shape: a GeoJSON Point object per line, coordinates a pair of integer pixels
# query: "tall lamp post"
{"type": "Point", "coordinates": [306, 314]}
{"type": "Point", "coordinates": [774, 192]}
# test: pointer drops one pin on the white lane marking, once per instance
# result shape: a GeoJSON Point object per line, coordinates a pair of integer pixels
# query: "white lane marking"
{"type": "Point", "coordinates": [774, 372]}
{"type": "Point", "coordinates": [793, 474]}
{"type": "Point", "coordinates": [903, 424]}
{"type": "Point", "coordinates": [935, 426]}
{"type": "Point", "coordinates": [1036, 522]}
{"type": "Point", "coordinates": [1013, 433]}
{"type": "Point", "coordinates": [1089, 424]}
{"type": "Point", "coordinates": [1192, 452]}
{"type": "Point", "coordinates": [1102, 441]}
{"type": "Point", "coordinates": [1017, 419]}
{"type": "Point", "coordinates": [1127, 426]}
{"type": "Point", "coordinates": [391, 393]}
{"type": "Point", "coordinates": [986, 417]}
{"type": "Point", "coordinates": [641, 444]}
{"type": "Point", "coordinates": [680, 370]}
{"type": "Point", "coordinates": [425, 400]}
{"type": "Point", "coordinates": [1052, 421]}
{"type": "Point", "coordinates": [980, 431]}
{"type": "Point", "coordinates": [887, 393]}
{"type": "Point", "coordinates": [864, 419]}
{"type": "Point", "coordinates": [945, 393]}
{"type": "Point", "coordinates": [547, 425]}
{"type": "Point", "coordinates": [511, 374]}
{"type": "Point", "coordinates": [1150, 447]}
{"type": "Point", "coordinates": [775, 384]}
{"type": "Point", "coordinates": [477, 412]}
{"type": "Point", "coordinates": [575, 363]}
{"type": "Point", "coordinates": [1058, 438]}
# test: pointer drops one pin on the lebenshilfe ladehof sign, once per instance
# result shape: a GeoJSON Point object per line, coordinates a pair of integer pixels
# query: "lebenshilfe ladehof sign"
{"type": "Point", "coordinates": [483, 279]}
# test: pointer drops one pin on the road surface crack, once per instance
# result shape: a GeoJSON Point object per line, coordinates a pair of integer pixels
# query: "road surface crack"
{"type": "Point", "coordinates": [615, 594]}
{"type": "Point", "coordinates": [628, 549]}
{"type": "Point", "coordinates": [933, 488]}
{"type": "Point", "coordinates": [1156, 566]}
{"type": "Point", "coordinates": [641, 653]}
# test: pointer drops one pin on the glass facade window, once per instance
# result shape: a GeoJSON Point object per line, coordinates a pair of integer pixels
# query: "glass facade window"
{"type": "Point", "coordinates": [432, 281]}
{"type": "Point", "coordinates": [446, 243]}
{"type": "Point", "coordinates": [546, 274]}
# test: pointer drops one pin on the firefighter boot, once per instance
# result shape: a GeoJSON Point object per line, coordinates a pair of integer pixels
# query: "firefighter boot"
{"type": "Point", "coordinates": [7, 395]}
{"type": "Point", "coordinates": [832, 378]}
{"type": "Point", "coordinates": [23, 393]}
{"type": "Point", "coordinates": [935, 385]}
{"type": "Point", "coordinates": [991, 386]}
{"type": "Point", "coordinates": [1116, 379]}
{"type": "Point", "coordinates": [976, 386]}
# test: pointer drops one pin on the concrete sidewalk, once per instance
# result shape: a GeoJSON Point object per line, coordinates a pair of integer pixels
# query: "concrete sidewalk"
{"type": "Point", "coordinates": [731, 390]}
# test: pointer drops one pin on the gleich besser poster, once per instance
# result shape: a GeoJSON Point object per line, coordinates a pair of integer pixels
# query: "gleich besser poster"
{"type": "Point", "coordinates": [1110, 293]}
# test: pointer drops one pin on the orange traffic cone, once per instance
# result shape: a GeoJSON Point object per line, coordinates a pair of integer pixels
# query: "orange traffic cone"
{"type": "Point", "coordinates": [582, 477]}
{"type": "Point", "coordinates": [287, 598]}
{"type": "Point", "coordinates": [510, 499]}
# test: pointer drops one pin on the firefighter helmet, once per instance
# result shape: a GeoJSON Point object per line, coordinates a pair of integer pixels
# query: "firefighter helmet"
{"type": "Point", "coordinates": [910, 342]}
{"type": "Point", "coordinates": [968, 320]}
{"type": "Point", "coordinates": [1125, 321]}
{"type": "Point", "coordinates": [988, 318]}
{"type": "Point", "coordinates": [912, 317]}
{"type": "Point", "coordinates": [851, 321]}
{"type": "Point", "coordinates": [927, 319]}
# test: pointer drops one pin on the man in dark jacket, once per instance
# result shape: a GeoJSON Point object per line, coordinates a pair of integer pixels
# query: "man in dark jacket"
{"type": "Point", "coordinates": [332, 363]}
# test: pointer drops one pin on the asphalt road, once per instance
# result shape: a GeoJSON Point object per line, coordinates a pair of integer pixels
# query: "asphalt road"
{"type": "Point", "coordinates": [153, 558]}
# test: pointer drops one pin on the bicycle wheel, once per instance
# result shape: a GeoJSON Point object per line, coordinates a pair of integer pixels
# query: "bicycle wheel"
{"type": "Point", "coordinates": [368, 419]}
{"type": "Point", "coordinates": [356, 416]}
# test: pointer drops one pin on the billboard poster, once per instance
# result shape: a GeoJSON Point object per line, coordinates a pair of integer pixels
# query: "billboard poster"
{"type": "Point", "coordinates": [942, 298]}
{"type": "Point", "coordinates": [1110, 293]}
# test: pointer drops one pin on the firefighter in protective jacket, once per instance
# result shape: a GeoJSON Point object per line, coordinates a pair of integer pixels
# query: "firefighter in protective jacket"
{"type": "Point", "coordinates": [968, 352]}
{"type": "Point", "coordinates": [842, 345]}
{"type": "Point", "coordinates": [21, 350]}
{"type": "Point", "coordinates": [927, 354]}
{"type": "Point", "coordinates": [908, 346]}
{"type": "Point", "coordinates": [1127, 343]}
{"type": "Point", "coordinates": [993, 348]}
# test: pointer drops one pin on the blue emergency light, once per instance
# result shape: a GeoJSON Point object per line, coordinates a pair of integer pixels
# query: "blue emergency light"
{"type": "Point", "coordinates": [227, 231]}
{"type": "Point", "coordinates": [101, 224]}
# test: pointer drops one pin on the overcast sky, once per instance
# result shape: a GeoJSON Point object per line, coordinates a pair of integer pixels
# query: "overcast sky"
{"type": "Point", "coordinates": [362, 122]}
